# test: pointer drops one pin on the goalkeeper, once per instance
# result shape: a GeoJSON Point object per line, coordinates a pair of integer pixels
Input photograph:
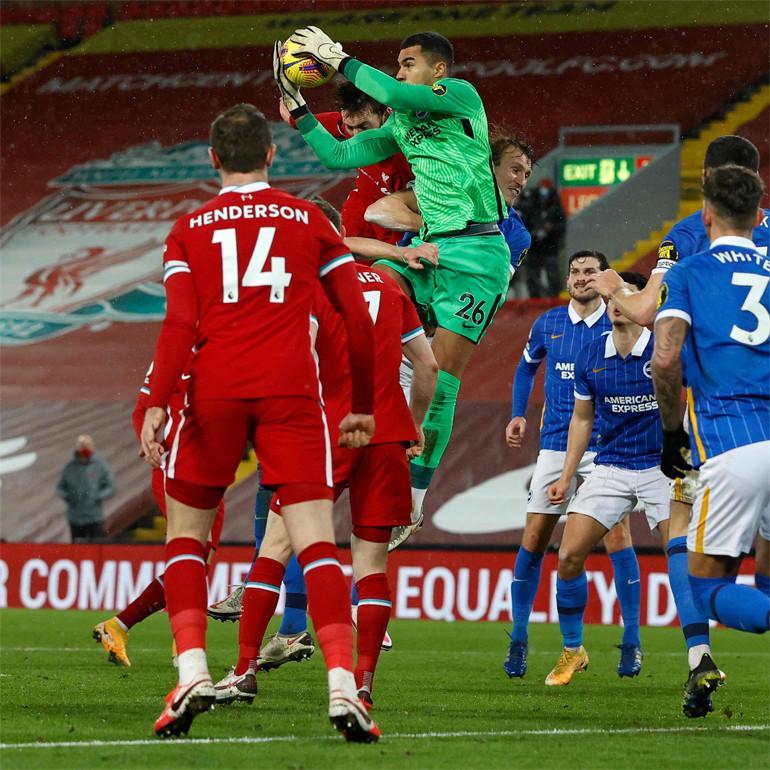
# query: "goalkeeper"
{"type": "Point", "coordinates": [439, 124]}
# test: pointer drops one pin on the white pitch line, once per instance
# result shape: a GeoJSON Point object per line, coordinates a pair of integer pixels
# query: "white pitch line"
{"type": "Point", "coordinates": [470, 653]}
{"type": "Point", "coordinates": [391, 736]}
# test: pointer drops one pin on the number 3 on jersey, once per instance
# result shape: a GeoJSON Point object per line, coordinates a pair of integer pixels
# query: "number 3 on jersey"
{"type": "Point", "coordinates": [277, 279]}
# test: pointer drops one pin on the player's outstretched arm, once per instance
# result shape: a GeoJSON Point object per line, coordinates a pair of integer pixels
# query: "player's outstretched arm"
{"type": "Point", "coordinates": [397, 211]}
{"type": "Point", "coordinates": [364, 149]}
{"type": "Point", "coordinates": [425, 375]}
{"type": "Point", "coordinates": [638, 306]}
{"type": "Point", "coordinates": [455, 97]}
{"type": "Point", "coordinates": [580, 428]}
{"type": "Point", "coordinates": [370, 249]}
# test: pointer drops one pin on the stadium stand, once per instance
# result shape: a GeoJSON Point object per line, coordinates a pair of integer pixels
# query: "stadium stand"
{"type": "Point", "coordinates": [145, 100]}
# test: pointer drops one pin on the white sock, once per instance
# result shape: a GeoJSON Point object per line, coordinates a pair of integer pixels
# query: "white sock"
{"type": "Point", "coordinates": [694, 654]}
{"type": "Point", "coordinates": [418, 498]}
{"type": "Point", "coordinates": [193, 665]}
{"type": "Point", "coordinates": [343, 680]}
{"type": "Point", "coordinates": [121, 624]}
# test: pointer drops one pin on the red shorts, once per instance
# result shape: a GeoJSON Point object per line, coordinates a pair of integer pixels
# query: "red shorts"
{"type": "Point", "coordinates": [159, 493]}
{"type": "Point", "coordinates": [289, 435]}
{"type": "Point", "coordinates": [379, 482]}
{"type": "Point", "coordinates": [378, 479]}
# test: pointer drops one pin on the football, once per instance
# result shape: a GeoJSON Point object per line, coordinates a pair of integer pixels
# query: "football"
{"type": "Point", "coordinates": [303, 71]}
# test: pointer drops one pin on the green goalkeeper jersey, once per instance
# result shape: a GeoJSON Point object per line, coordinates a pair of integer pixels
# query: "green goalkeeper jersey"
{"type": "Point", "coordinates": [441, 130]}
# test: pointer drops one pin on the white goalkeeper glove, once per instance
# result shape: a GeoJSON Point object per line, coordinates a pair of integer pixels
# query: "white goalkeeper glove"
{"type": "Point", "coordinates": [292, 98]}
{"type": "Point", "coordinates": [317, 44]}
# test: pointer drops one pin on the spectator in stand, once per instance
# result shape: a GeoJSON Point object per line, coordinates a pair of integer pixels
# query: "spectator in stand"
{"type": "Point", "coordinates": [85, 482]}
{"type": "Point", "coordinates": [544, 217]}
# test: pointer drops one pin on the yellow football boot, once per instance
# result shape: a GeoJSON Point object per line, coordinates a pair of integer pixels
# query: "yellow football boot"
{"type": "Point", "coordinates": [113, 637]}
{"type": "Point", "coordinates": [570, 661]}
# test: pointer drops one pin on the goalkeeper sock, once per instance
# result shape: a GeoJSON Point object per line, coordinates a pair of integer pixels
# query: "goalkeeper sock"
{"type": "Point", "coordinates": [186, 592]}
{"type": "Point", "coordinates": [571, 600]}
{"type": "Point", "coordinates": [295, 613]}
{"type": "Point", "coordinates": [374, 607]}
{"type": "Point", "coordinates": [263, 587]}
{"type": "Point", "coordinates": [628, 586]}
{"type": "Point", "coordinates": [762, 583]}
{"type": "Point", "coordinates": [150, 601]}
{"type": "Point", "coordinates": [329, 607]}
{"type": "Point", "coordinates": [526, 579]}
{"type": "Point", "coordinates": [735, 606]}
{"type": "Point", "coordinates": [437, 428]}
{"type": "Point", "coordinates": [694, 622]}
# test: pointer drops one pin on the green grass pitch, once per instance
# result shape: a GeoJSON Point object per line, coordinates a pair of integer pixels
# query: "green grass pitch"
{"type": "Point", "coordinates": [442, 701]}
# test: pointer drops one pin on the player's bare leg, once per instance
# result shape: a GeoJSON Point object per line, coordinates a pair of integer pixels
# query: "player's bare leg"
{"type": "Point", "coordinates": [581, 535]}
{"type": "Point", "coordinates": [370, 560]}
{"type": "Point", "coordinates": [186, 598]}
{"type": "Point", "coordinates": [311, 532]}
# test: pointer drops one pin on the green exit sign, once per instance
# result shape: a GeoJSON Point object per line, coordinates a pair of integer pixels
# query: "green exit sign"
{"type": "Point", "coordinates": [595, 172]}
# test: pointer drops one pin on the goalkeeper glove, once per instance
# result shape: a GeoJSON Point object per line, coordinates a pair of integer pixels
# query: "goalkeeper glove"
{"type": "Point", "coordinates": [318, 45]}
{"type": "Point", "coordinates": [292, 98]}
{"type": "Point", "coordinates": [676, 445]}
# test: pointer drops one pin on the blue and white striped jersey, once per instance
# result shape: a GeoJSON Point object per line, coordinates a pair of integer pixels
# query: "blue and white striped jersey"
{"type": "Point", "coordinates": [556, 336]}
{"type": "Point", "coordinates": [630, 431]}
{"type": "Point", "coordinates": [723, 295]}
{"type": "Point", "coordinates": [688, 236]}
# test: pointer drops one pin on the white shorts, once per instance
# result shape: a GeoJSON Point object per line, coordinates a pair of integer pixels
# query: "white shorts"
{"type": "Point", "coordinates": [547, 471]}
{"type": "Point", "coordinates": [610, 494]}
{"type": "Point", "coordinates": [732, 501]}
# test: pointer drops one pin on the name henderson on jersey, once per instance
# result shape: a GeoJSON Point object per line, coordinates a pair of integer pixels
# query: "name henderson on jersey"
{"type": "Point", "coordinates": [249, 211]}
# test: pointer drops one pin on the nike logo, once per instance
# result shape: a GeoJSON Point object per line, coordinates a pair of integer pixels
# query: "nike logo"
{"type": "Point", "coordinates": [186, 376]}
{"type": "Point", "coordinates": [183, 694]}
{"type": "Point", "coordinates": [519, 580]}
{"type": "Point", "coordinates": [595, 371]}
{"type": "Point", "coordinates": [556, 336]}
{"type": "Point", "coordinates": [631, 582]}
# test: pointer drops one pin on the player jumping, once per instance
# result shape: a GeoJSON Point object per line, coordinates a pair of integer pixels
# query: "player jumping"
{"type": "Point", "coordinates": [439, 124]}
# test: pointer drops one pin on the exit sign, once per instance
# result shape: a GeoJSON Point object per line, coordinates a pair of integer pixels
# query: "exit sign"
{"type": "Point", "coordinates": [595, 172]}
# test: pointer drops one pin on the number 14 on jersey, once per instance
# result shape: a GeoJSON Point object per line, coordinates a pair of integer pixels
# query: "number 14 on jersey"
{"type": "Point", "coordinates": [277, 278]}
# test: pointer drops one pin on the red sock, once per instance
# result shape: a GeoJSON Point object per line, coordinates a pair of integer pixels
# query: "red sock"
{"type": "Point", "coordinates": [263, 587]}
{"type": "Point", "coordinates": [186, 592]}
{"type": "Point", "coordinates": [373, 615]}
{"type": "Point", "coordinates": [150, 601]}
{"type": "Point", "coordinates": [328, 602]}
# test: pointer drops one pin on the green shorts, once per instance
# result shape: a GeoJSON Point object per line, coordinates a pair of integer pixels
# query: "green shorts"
{"type": "Point", "coordinates": [467, 288]}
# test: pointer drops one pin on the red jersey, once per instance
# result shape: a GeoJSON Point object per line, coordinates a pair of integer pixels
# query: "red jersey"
{"type": "Point", "coordinates": [395, 323]}
{"type": "Point", "coordinates": [372, 183]}
{"type": "Point", "coordinates": [176, 401]}
{"type": "Point", "coordinates": [242, 272]}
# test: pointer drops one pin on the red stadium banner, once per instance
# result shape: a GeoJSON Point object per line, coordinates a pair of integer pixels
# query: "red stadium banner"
{"type": "Point", "coordinates": [426, 585]}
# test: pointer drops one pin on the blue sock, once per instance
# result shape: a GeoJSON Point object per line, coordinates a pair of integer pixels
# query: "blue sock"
{"type": "Point", "coordinates": [261, 510]}
{"type": "Point", "coordinates": [295, 612]}
{"type": "Point", "coordinates": [694, 622]}
{"type": "Point", "coordinates": [526, 579]}
{"type": "Point", "coordinates": [354, 595]}
{"type": "Point", "coordinates": [628, 586]}
{"type": "Point", "coordinates": [762, 583]}
{"type": "Point", "coordinates": [735, 606]}
{"type": "Point", "coordinates": [571, 600]}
